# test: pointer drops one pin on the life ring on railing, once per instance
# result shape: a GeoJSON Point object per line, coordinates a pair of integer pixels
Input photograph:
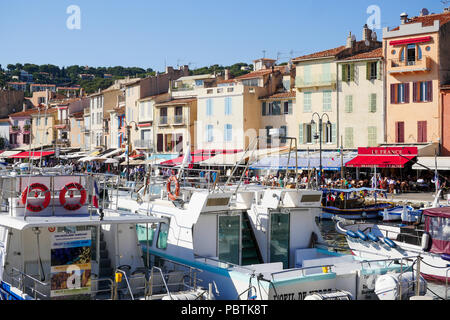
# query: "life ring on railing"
{"type": "Point", "coordinates": [38, 207]}
{"type": "Point", "coordinates": [173, 196]}
{"type": "Point", "coordinates": [72, 206]}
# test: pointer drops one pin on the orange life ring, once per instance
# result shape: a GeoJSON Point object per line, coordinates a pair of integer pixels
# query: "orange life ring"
{"type": "Point", "coordinates": [172, 196]}
{"type": "Point", "coordinates": [39, 207]}
{"type": "Point", "coordinates": [72, 206]}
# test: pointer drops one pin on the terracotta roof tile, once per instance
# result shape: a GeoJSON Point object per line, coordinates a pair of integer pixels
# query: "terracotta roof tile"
{"type": "Point", "coordinates": [376, 53]}
{"type": "Point", "coordinates": [254, 74]}
{"type": "Point", "coordinates": [321, 54]}
{"type": "Point", "coordinates": [429, 20]}
{"type": "Point", "coordinates": [176, 101]}
{"type": "Point", "coordinates": [281, 95]}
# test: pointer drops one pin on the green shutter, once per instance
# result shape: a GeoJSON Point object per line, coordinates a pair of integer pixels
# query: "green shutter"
{"type": "Point", "coordinates": [300, 134]}
{"type": "Point", "coordinates": [344, 73]}
{"type": "Point", "coordinates": [379, 70]}
{"type": "Point", "coordinates": [352, 72]}
{"type": "Point", "coordinates": [373, 102]}
{"type": "Point", "coordinates": [368, 69]}
{"type": "Point", "coordinates": [349, 104]}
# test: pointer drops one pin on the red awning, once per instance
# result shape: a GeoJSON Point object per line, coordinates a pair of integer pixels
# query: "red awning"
{"type": "Point", "coordinates": [410, 41]}
{"type": "Point", "coordinates": [382, 161]}
{"type": "Point", "coordinates": [179, 160]}
{"type": "Point", "coordinates": [32, 154]}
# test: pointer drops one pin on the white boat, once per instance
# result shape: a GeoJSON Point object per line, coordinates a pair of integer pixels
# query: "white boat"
{"type": "Point", "coordinates": [55, 244]}
{"type": "Point", "coordinates": [254, 243]}
{"type": "Point", "coordinates": [404, 213]}
{"type": "Point", "coordinates": [429, 240]}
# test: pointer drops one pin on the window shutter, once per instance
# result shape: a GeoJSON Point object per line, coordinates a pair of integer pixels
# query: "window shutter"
{"type": "Point", "coordinates": [392, 93]}
{"type": "Point", "coordinates": [415, 91]}
{"type": "Point", "coordinates": [290, 110]}
{"type": "Point", "coordinates": [401, 132]}
{"type": "Point", "coordinates": [379, 70]}
{"type": "Point", "coordinates": [368, 69]}
{"type": "Point", "coordinates": [333, 133]}
{"type": "Point", "coordinates": [397, 130]}
{"type": "Point", "coordinates": [300, 134]}
{"type": "Point", "coordinates": [430, 91]}
{"type": "Point", "coordinates": [344, 72]}
{"type": "Point", "coordinates": [352, 72]}
{"type": "Point", "coordinates": [264, 108]}
{"type": "Point", "coordinates": [373, 102]}
{"type": "Point", "coordinates": [424, 131]}
{"type": "Point", "coordinates": [419, 131]}
{"type": "Point", "coordinates": [407, 92]}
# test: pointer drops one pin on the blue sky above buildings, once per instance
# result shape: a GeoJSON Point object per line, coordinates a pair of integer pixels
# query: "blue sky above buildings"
{"type": "Point", "coordinates": [152, 34]}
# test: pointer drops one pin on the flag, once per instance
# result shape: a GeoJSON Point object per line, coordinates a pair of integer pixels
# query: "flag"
{"type": "Point", "coordinates": [96, 195]}
{"type": "Point", "coordinates": [436, 180]}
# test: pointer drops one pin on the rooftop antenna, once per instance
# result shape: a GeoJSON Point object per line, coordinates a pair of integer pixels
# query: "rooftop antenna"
{"type": "Point", "coordinates": [264, 53]}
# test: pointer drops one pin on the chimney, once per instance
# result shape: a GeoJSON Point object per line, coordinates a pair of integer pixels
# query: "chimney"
{"type": "Point", "coordinates": [367, 34]}
{"type": "Point", "coordinates": [349, 41]}
{"type": "Point", "coordinates": [169, 70]}
{"type": "Point", "coordinates": [227, 74]}
{"type": "Point", "coordinates": [24, 106]}
{"type": "Point", "coordinates": [404, 17]}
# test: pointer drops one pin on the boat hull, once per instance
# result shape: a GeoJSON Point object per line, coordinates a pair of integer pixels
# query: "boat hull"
{"type": "Point", "coordinates": [432, 266]}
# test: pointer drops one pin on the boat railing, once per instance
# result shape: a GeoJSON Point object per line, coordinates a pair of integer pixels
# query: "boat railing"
{"type": "Point", "coordinates": [35, 289]}
{"type": "Point", "coordinates": [110, 289]}
{"type": "Point", "coordinates": [225, 265]}
{"type": "Point", "coordinates": [289, 273]}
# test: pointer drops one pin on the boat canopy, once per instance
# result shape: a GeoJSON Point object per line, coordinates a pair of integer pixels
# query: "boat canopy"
{"type": "Point", "coordinates": [437, 224]}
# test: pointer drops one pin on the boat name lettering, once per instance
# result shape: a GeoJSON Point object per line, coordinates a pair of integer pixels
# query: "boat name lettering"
{"type": "Point", "coordinates": [299, 295]}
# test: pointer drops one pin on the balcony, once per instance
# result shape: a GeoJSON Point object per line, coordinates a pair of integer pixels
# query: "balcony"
{"type": "Point", "coordinates": [183, 87]}
{"type": "Point", "coordinates": [26, 128]}
{"type": "Point", "coordinates": [86, 129]}
{"type": "Point", "coordinates": [409, 66]}
{"type": "Point", "coordinates": [163, 121]}
{"type": "Point", "coordinates": [316, 81]}
{"type": "Point", "coordinates": [143, 144]}
{"type": "Point", "coordinates": [14, 129]}
{"type": "Point", "coordinates": [62, 124]}
{"type": "Point", "coordinates": [179, 120]}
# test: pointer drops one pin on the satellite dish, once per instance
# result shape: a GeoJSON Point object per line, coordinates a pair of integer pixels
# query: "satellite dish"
{"type": "Point", "coordinates": [367, 42]}
{"type": "Point", "coordinates": [424, 12]}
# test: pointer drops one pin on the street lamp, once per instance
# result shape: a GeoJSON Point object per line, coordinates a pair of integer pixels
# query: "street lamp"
{"type": "Point", "coordinates": [129, 145]}
{"type": "Point", "coordinates": [320, 117]}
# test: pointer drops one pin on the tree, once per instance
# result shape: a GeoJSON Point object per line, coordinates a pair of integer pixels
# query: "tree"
{"type": "Point", "coordinates": [11, 67]}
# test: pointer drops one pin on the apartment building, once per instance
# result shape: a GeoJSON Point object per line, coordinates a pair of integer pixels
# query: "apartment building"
{"type": "Point", "coordinates": [174, 125]}
{"type": "Point", "coordinates": [318, 86]}
{"type": "Point", "coordinates": [417, 65]}
{"type": "Point", "coordinates": [44, 132]}
{"type": "Point", "coordinates": [361, 100]}
{"type": "Point", "coordinates": [229, 114]}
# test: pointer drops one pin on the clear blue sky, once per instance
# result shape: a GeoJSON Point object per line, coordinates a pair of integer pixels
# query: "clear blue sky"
{"type": "Point", "coordinates": [152, 33]}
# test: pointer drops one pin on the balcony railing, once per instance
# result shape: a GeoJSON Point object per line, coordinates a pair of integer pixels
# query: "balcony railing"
{"type": "Point", "coordinates": [316, 80]}
{"type": "Point", "coordinates": [178, 119]}
{"type": "Point", "coordinates": [26, 128]}
{"type": "Point", "coordinates": [14, 128]}
{"type": "Point", "coordinates": [143, 144]}
{"type": "Point", "coordinates": [410, 65]}
{"type": "Point", "coordinates": [183, 88]}
{"type": "Point", "coordinates": [163, 120]}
